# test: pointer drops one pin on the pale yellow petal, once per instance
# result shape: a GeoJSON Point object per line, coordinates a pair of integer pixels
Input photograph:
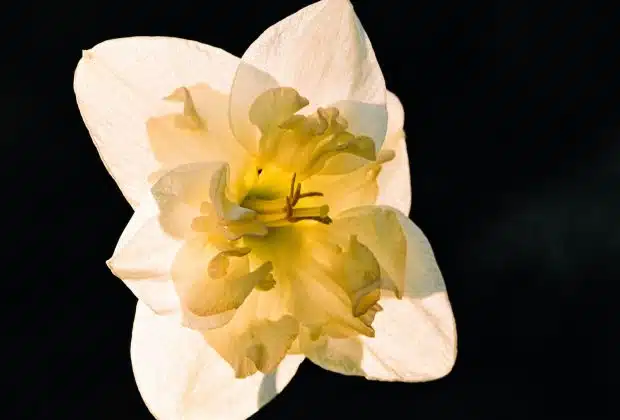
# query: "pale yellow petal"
{"type": "Point", "coordinates": [210, 282]}
{"type": "Point", "coordinates": [274, 106]}
{"type": "Point", "coordinates": [198, 133]}
{"type": "Point", "coordinates": [306, 270]}
{"type": "Point", "coordinates": [218, 195]}
{"type": "Point", "coordinates": [347, 190]}
{"type": "Point", "coordinates": [394, 179]}
{"type": "Point", "coordinates": [119, 84]}
{"type": "Point", "coordinates": [249, 84]}
{"type": "Point", "coordinates": [143, 258]}
{"type": "Point", "coordinates": [181, 377]}
{"type": "Point", "coordinates": [415, 336]}
{"type": "Point", "coordinates": [180, 193]}
{"type": "Point", "coordinates": [251, 342]}
{"type": "Point", "coordinates": [379, 229]}
{"type": "Point", "coordinates": [323, 52]}
{"type": "Point", "coordinates": [362, 277]}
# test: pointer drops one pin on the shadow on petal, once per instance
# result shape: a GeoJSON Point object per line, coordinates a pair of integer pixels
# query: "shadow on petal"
{"type": "Point", "coordinates": [341, 355]}
{"type": "Point", "coordinates": [267, 388]}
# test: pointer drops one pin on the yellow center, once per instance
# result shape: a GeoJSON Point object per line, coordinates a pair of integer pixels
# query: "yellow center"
{"type": "Point", "coordinates": [266, 266]}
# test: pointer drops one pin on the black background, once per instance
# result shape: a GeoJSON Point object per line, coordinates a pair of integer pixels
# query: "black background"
{"type": "Point", "coordinates": [513, 123]}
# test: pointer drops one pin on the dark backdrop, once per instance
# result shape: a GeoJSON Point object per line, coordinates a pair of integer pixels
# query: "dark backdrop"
{"type": "Point", "coordinates": [512, 116]}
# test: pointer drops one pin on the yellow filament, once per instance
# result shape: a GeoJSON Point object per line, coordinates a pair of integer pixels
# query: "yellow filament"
{"type": "Point", "coordinates": [282, 211]}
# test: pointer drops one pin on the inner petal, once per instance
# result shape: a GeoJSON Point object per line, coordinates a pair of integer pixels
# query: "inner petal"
{"type": "Point", "coordinates": [302, 143]}
{"type": "Point", "coordinates": [261, 268]}
{"type": "Point", "coordinates": [251, 343]}
{"type": "Point", "coordinates": [199, 133]}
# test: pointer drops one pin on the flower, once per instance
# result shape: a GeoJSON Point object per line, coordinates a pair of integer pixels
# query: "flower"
{"type": "Point", "coordinates": [270, 196]}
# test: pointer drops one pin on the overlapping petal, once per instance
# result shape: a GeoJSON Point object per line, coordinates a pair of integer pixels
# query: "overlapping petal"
{"type": "Point", "coordinates": [196, 258]}
{"type": "Point", "coordinates": [121, 83]}
{"type": "Point", "coordinates": [181, 377]}
{"type": "Point", "coordinates": [394, 179]}
{"type": "Point", "coordinates": [323, 52]}
{"type": "Point", "coordinates": [143, 258]}
{"type": "Point", "coordinates": [415, 336]}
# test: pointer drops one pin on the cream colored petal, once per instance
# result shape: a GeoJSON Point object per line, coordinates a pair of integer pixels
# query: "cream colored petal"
{"type": "Point", "coordinates": [379, 229]}
{"type": "Point", "coordinates": [179, 194]}
{"type": "Point", "coordinates": [181, 377]}
{"type": "Point", "coordinates": [199, 133]}
{"type": "Point", "coordinates": [396, 120]}
{"type": "Point", "coordinates": [274, 106]}
{"type": "Point", "coordinates": [121, 83]}
{"type": "Point", "coordinates": [209, 282]}
{"type": "Point", "coordinates": [354, 188]}
{"type": "Point", "coordinates": [305, 266]}
{"type": "Point", "coordinates": [323, 52]}
{"type": "Point", "coordinates": [362, 277]}
{"type": "Point", "coordinates": [394, 179]}
{"type": "Point", "coordinates": [252, 342]}
{"type": "Point", "coordinates": [143, 258]}
{"type": "Point", "coordinates": [416, 336]}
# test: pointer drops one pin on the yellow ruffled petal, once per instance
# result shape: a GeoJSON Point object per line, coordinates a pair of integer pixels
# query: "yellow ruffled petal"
{"type": "Point", "coordinates": [250, 342]}
{"type": "Point", "coordinates": [210, 282]}
{"type": "Point", "coordinates": [181, 377]}
{"type": "Point", "coordinates": [379, 229]}
{"type": "Point", "coordinates": [180, 194]}
{"type": "Point", "coordinates": [119, 84]}
{"type": "Point", "coordinates": [307, 270]}
{"type": "Point", "coordinates": [218, 195]}
{"type": "Point", "coordinates": [323, 52]}
{"type": "Point", "coordinates": [362, 277]}
{"type": "Point", "coordinates": [199, 132]}
{"type": "Point", "coordinates": [347, 190]}
{"type": "Point", "coordinates": [415, 337]}
{"type": "Point", "coordinates": [274, 106]}
{"type": "Point", "coordinates": [143, 258]}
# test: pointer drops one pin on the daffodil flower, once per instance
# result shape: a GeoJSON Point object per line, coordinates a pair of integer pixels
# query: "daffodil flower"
{"type": "Point", "coordinates": [270, 196]}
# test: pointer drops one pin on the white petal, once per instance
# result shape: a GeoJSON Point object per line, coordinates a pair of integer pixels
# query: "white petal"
{"type": "Point", "coordinates": [415, 337]}
{"type": "Point", "coordinates": [143, 259]}
{"type": "Point", "coordinates": [396, 120]}
{"type": "Point", "coordinates": [394, 179]}
{"type": "Point", "coordinates": [180, 377]}
{"type": "Point", "coordinates": [323, 52]}
{"type": "Point", "coordinates": [121, 83]}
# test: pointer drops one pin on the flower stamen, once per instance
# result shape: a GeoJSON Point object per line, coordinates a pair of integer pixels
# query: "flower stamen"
{"type": "Point", "coordinates": [282, 211]}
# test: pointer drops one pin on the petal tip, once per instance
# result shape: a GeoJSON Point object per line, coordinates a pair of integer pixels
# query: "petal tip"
{"type": "Point", "coordinates": [87, 54]}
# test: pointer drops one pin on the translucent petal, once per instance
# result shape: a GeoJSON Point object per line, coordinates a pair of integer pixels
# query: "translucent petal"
{"type": "Point", "coordinates": [394, 179]}
{"type": "Point", "coordinates": [380, 230]}
{"type": "Point", "coordinates": [349, 189]}
{"type": "Point", "coordinates": [143, 258]}
{"type": "Point", "coordinates": [394, 182]}
{"type": "Point", "coordinates": [201, 133]}
{"type": "Point", "coordinates": [323, 52]}
{"type": "Point", "coordinates": [181, 377]}
{"type": "Point", "coordinates": [180, 194]}
{"type": "Point", "coordinates": [415, 336]}
{"type": "Point", "coordinates": [119, 84]}
{"type": "Point", "coordinates": [251, 342]}
{"type": "Point", "coordinates": [207, 292]}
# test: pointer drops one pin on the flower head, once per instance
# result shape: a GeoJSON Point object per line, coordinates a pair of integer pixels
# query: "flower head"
{"type": "Point", "coordinates": [270, 196]}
